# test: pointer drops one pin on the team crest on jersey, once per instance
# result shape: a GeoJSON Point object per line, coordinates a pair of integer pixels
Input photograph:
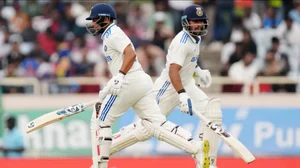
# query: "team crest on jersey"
{"type": "Point", "coordinates": [199, 11]}
{"type": "Point", "coordinates": [105, 48]}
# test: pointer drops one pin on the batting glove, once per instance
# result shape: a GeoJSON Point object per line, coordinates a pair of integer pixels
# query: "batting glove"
{"type": "Point", "coordinates": [116, 83]}
{"type": "Point", "coordinates": [185, 103]}
{"type": "Point", "coordinates": [203, 78]}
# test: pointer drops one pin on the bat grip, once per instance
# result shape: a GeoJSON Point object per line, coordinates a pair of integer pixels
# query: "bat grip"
{"type": "Point", "coordinates": [90, 103]}
{"type": "Point", "coordinates": [201, 116]}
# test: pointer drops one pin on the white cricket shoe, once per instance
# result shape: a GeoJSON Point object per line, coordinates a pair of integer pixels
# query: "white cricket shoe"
{"type": "Point", "coordinates": [201, 158]}
{"type": "Point", "coordinates": [213, 162]}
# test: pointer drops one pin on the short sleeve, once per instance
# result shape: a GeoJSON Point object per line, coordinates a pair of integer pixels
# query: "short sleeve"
{"type": "Point", "coordinates": [178, 53]}
{"type": "Point", "coordinates": [119, 41]}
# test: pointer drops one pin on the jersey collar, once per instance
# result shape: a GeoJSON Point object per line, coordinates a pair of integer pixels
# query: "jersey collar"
{"type": "Point", "coordinates": [111, 25]}
{"type": "Point", "coordinates": [192, 38]}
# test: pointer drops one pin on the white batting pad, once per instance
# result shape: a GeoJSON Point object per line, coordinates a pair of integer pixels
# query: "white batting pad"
{"type": "Point", "coordinates": [94, 134]}
{"type": "Point", "coordinates": [165, 135]}
{"type": "Point", "coordinates": [175, 129]}
{"type": "Point", "coordinates": [212, 112]}
{"type": "Point", "coordinates": [128, 136]}
{"type": "Point", "coordinates": [104, 141]}
{"type": "Point", "coordinates": [101, 138]}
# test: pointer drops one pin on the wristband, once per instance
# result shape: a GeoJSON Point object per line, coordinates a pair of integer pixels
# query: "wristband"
{"type": "Point", "coordinates": [181, 91]}
{"type": "Point", "coordinates": [122, 72]}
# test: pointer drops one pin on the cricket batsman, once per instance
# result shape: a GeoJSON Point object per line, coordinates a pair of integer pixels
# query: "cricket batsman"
{"type": "Point", "coordinates": [176, 85]}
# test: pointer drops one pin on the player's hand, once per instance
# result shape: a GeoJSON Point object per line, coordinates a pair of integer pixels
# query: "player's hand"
{"type": "Point", "coordinates": [203, 78]}
{"type": "Point", "coordinates": [185, 103]}
{"type": "Point", "coordinates": [102, 94]}
{"type": "Point", "coordinates": [115, 84]}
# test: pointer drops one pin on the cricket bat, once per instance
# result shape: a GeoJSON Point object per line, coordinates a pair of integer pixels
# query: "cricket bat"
{"type": "Point", "coordinates": [57, 115]}
{"type": "Point", "coordinates": [227, 138]}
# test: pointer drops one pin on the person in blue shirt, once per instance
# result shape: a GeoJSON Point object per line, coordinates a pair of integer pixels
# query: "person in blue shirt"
{"type": "Point", "coordinates": [12, 140]}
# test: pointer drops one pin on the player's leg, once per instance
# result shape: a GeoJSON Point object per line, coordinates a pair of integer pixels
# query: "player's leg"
{"type": "Point", "coordinates": [166, 130]}
{"type": "Point", "coordinates": [101, 133]}
{"type": "Point", "coordinates": [211, 109]}
{"type": "Point", "coordinates": [135, 132]}
{"type": "Point", "coordinates": [113, 107]}
{"type": "Point", "coordinates": [147, 109]}
{"type": "Point", "coordinates": [94, 133]}
{"type": "Point", "coordinates": [128, 136]}
{"type": "Point", "coordinates": [168, 100]}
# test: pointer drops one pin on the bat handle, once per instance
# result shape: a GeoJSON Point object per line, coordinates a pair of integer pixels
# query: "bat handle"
{"type": "Point", "coordinates": [90, 103]}
{"type": "Point", "coordinates": [201, 116]}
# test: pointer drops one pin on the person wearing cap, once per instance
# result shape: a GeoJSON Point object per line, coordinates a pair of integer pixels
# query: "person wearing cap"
{"type": "Point", "coordinates": [176, 85]}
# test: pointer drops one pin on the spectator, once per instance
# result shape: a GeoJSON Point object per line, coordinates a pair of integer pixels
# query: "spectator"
{"type": "Point", "coordinates": [47, 41]}
{"type": "Point", "coordinates": [45, 70]}
{"type": "Point", "coordinates": [245, 70]}
{"type": "Point", "coordinates": [135, 17]}
{"type": "Point", "coordinates": [235, 57]}
{"type": "Point", "coordinates": [19, 21]}
{"type": "Point", "coordinates": [279, 53]}
{"type": "Point", "coordinates": [15, 55]}
{"type": "Point", "coordinates": [248, 42]}
{"type": "Point", "coordinates": [29, 34]}
{"type": "Point", "coordinates": [276, 67]}
{"type": "Point", "coordinates": [160, 24]}
{"type": "Point", "coordinates": [236, 30]}
{"type": "Point", "coordinates": [162, 35]}
{"type": "Point", "coordinates": [151, 57]}
{"type": "Point", "coordinates": [289, 32]}
{"type": "Point", "coordinates": [12, 140]}
{"type": "Point", "coordinates": [223, 20]}
{"type": "Point", "coordinates": [270, 20]}
{"type": "Point", "coordinates": [273, 66]}
{"type": "Point", "coordinates": [294, 14]}
{"type": "Point", "coordinates": [251, 20]}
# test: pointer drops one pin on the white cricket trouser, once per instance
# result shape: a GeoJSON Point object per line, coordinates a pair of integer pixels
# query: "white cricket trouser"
{"type": "Point", "coordinates": [136, 94]}
{"type": "Point", "coordinates": [167, 97]}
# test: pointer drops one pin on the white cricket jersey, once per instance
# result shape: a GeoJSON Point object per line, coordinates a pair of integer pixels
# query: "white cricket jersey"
{"type": "Point", "coordinates": [184, 51]}
{"type": "Point", "coordinates": [114, 43]}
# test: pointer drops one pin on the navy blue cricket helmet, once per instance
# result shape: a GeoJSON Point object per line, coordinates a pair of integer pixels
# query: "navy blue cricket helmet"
{"type": "Point", "coordinates": [98, 13]}
{"type": "Point", "coordinates": [195, 13]}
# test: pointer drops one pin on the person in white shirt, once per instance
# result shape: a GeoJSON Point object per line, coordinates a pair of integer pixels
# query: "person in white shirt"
{"type": "Point", "coordinates": [129, 87]}
{"type": "Point", "coordinates": [176, 85]}
{"type": "Point", "coordinates": [245, 70]}
{"type": "Point", "coordinates": [251, 20]}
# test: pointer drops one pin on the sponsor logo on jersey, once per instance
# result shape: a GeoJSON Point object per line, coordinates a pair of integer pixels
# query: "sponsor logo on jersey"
{"type": "Point", "coordinates": [194, 59]}
{"type": "Point", "coordinates": [108, 58]}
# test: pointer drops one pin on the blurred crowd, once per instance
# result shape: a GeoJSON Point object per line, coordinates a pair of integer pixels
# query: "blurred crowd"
{"type": "Point", "coordinates": [264, 40]}
{"type": "Point", "coordinates": [47, 39]}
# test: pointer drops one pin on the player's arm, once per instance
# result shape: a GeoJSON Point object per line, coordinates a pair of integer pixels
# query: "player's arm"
{"type": "Point", "coordinates": [175, 77]}
{"type": "Point", "coordinates": [121, 43]}
{"type": "Point", "coordinates": [129, 58]}
{"type": "Point", "coordinates": [178, 53]}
